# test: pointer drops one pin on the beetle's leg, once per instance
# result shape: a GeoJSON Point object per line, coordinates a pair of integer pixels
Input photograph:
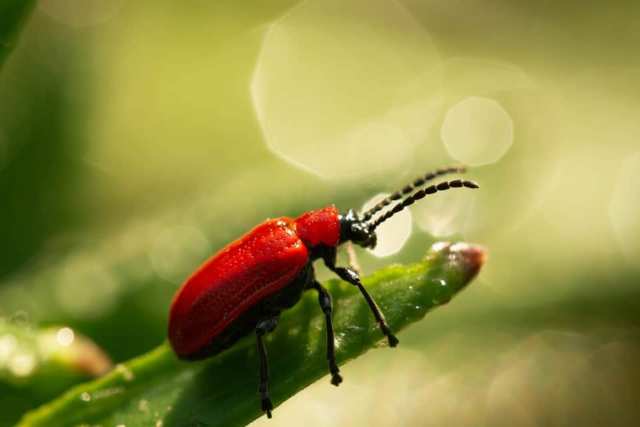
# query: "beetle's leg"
{"type": "Point", "coordinates": [353, 258]}
{"type": "Point", "coordinates": [351, 276]}
{"type": "Point", "coordinates": [264, 326]}
{"type": "Point", "coordinates": [324, 298]}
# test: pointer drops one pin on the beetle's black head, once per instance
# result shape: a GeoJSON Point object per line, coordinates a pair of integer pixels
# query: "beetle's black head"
{"type": "Point", "coordinates": [354, 229]}
{"type": "Point", "coordinates": [361, 229]}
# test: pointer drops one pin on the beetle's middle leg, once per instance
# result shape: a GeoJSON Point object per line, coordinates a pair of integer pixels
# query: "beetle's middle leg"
{"type": "Point", "coordinates": [263, 327]}
{"type": "Point", "coordinates": [324, 298]}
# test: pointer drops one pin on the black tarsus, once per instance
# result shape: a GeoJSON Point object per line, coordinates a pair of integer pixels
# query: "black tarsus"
{"type": "Point", "coordinates": [263, 327]}
{"type": "Point", "coordinates": [324, 298]}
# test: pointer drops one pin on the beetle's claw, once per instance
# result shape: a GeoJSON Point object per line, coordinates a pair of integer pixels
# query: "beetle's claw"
{"type": "Point", "coordinates": [336, 379]}
{"type": "Point", "coordinates": [267, 406]}
{"type": "Point", "coordinates": [393, 341]}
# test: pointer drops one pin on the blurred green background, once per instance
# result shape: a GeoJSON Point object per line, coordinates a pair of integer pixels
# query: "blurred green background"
{"type": "Point", "coordinates": [136, 138]}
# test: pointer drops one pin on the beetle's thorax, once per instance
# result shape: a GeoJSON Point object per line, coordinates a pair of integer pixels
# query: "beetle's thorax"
{"type": "Point", "coordinates": [320, 227]}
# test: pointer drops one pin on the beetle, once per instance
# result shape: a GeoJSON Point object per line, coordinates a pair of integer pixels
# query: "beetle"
{"type": "Point", "coordinates": [243, 288]}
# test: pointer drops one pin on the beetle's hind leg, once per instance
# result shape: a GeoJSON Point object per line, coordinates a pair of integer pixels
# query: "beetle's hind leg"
{"type": "Point", "coordinates": [263, 327]}
{"type": "Point", "coordinates": [324, 298]}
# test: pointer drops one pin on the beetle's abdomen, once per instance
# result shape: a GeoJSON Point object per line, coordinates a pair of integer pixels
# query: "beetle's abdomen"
{"type": "Point", "coordinates": [257, 265]}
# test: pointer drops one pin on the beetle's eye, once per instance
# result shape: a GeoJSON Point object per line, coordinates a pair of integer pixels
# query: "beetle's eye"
{"type": "Point", "coordinates": [359, 234]}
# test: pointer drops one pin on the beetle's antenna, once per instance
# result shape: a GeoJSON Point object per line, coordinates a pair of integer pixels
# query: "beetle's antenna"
{"type": "Point", "coordinates": [446, 185]}
{"type": "Point", "coordinates": [418, 182]}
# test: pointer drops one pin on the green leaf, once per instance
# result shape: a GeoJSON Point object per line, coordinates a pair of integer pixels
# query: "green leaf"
{"type": "Point", "coordinates": [36, 364]}
{"type": "Point", "coordinates": [13, 14]}
{"type": "Point", "coordinates": [158, 389]}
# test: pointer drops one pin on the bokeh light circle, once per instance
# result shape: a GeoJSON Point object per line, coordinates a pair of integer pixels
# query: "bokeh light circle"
{"type": "Point", "coordinates": [477, 131]}
{"type": "Point", "coordinates": [394, 233]}
{"type": "Point", "coordinates": [65, 336]}
{"type": "Point", "coordinates": [22, 364]}
{"type": "Point", "coordinates": [331, 87]}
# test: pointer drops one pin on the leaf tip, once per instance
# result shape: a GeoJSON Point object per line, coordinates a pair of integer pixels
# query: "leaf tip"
{"type": "Point", "coordinates": [465, 257]}
{"type": "Point", "coordinates": [473, 257]}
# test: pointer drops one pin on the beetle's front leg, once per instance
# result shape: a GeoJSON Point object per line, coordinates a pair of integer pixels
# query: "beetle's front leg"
{"type": "Point", "coordinates": [324, 298]}
{"type": "Point", "coordinates": [263, 327]}
{"type": "Point", "coordinates": [351, 276]}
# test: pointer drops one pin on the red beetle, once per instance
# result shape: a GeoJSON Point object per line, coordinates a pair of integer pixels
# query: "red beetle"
{"type": "Point", "coordinates": [244, 287]}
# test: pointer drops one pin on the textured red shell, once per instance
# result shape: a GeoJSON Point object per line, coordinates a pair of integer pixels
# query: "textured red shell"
{"type": "Point", "coordinates": [259, 264]}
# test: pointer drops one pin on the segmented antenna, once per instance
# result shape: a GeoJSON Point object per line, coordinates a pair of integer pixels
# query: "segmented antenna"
{"type": "Point", "coordinates": [456, 183]}
{"type": "Point", "coordinates": [418, 182]}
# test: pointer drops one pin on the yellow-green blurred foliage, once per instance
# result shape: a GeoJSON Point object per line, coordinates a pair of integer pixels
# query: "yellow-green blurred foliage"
{"type": "Point", "coordinates": [137, 137]}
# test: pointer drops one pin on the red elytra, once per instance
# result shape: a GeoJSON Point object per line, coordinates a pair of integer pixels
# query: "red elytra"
{"type": "Point", "coordinates": [257, 265]}
{"type": "Point", "coordinates": [244, 287]}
